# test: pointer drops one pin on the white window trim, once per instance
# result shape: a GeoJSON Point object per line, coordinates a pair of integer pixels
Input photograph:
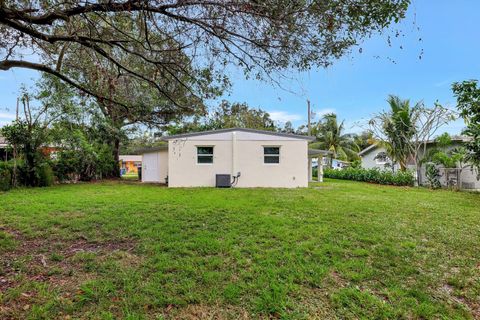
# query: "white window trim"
{"type": "Point", "coordinates": [196, 155]}
{"type": "Point", "coordinates": [271, 155]}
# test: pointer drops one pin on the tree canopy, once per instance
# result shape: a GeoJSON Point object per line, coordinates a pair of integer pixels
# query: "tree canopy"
{"type": "Point", "coordinates": [226, 115]}
{"type": "Point", "coordinates": [331, 136]}
{"type": "Point", "coordinates": [468, 103]}
{"type": "Point", "coordinates": [182, 44]}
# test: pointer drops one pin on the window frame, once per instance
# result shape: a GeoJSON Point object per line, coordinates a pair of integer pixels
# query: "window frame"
{"type": "Point", "coordinates": [205, 155]}
{"type": "Point", "coordinates": [378, 161]}
{"type": "Point", "coordinates": [265, 155]}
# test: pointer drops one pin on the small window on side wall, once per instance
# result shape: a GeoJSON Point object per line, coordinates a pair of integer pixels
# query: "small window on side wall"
{"type": "Point", "coordinates": [204, 155]}
{"type": "Point", "coordinates": [271, 155]}
{"type": "Point", "coordinates": [381, 158]}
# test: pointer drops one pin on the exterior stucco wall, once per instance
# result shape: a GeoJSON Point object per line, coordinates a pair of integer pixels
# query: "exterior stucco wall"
{"type": "Point", "coordinates": [369, 161]}
{"type": "Point", "coordinates": [155, 166]}
{"type": "Point", "coordinates": [163, 157]}
{"type": "Point", "coordinates": [238, 152]}
{"type": "Point", "coordinates": [291, 172]}
{"type": "Point", "coordinates": [184, 170]}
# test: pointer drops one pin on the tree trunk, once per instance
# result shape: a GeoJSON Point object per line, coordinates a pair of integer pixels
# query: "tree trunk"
{"type": "Point", "coordinates": [116, 157]}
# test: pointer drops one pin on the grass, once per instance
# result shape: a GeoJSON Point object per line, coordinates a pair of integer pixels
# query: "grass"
{"type": "Point", "coordinates": [336, 250]}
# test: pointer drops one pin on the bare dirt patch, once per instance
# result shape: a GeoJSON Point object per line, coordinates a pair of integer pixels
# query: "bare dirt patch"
{"type": "Point", "coordinates": [53, 263]}
{"type": "Point", "coordinates": [199, 311]}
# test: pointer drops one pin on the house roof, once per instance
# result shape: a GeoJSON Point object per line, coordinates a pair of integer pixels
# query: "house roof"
{"type": "Point", "coordinates": [458, 138]}
{"type": "Point", "coordinates": [153, 149]}
{"type": "Point", "coordinates": [367, 149]}
{"type": "Point", "coordinates": [135, 158]}
{"type": "Point", "coordinates": [272, 133]}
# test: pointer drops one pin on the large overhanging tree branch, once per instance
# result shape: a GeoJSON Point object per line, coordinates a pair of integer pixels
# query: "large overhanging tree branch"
{"type": "Point", "coordinates": [261, 37]}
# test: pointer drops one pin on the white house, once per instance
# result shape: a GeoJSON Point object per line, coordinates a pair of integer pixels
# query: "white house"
{"type": "Point", "coordinates": [375, 156]}
{"type": "Point", "coordinates": [231, 157]}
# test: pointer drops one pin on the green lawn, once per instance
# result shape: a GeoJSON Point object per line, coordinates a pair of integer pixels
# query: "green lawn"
{"type": "Point", "coordinates": [336, 250]}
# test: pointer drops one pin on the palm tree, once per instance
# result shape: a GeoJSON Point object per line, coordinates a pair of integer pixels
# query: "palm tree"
{"type": "Point", "coordinates": [399, 129]}
{"type": "Point", "coordinates": [330, 137]}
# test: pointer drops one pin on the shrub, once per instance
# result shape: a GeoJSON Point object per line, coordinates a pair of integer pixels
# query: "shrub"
{"type": "Point", "coordinates": [45, 175]}
{"type": "Point", "coordinates": [5, 176]}
{"type": "Point", "coordinates": [399, 178]}
{"type": "Point", "coordinates": [433, 176]}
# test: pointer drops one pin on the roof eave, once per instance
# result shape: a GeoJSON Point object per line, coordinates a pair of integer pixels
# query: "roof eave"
{"type": "Point", "coordinates": [202, 133]}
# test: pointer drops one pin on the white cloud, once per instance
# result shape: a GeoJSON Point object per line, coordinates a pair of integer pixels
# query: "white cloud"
{"type": "Point", "coordinates": [5, 115]}
{"type": "Point", "coordinates": [283, 116]}
{"type": "Point", "coordinates": [320, 113]}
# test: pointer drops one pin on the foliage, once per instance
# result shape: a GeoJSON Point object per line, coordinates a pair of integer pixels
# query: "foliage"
{"type": "Point", "coordinates": [443, 153]}
{"type": "Point", "coordinates": [6, 170]}
{"type": "Point", "coordinates": [364, 139]}
{"type": "Point", "coordinates": [45, 175]}
{"type": "Point", "coordinates": [135, 143]}
{"type": "Point", "coordinates": [433, 176]}
{"type": "Point", "coordinates": [330, 136]}
{"type": "Point", "coordinates": [83, 158]}
{"type": "Point", "coordinates": [153, 41]}
{"type": "Point", "coordinates": [338, 250]}
{"type": "Point", "coordinates": [395, 130]}
{"type": "Point", "coordinates": [400, 178]}
{"type": "Point", "coordinates": [29, 138]}
{"type": "Point", "coordinates": [468, 103]}
{"type": "Point", "coordinates": [356, 164]}
{"type": "Point", "coordinates": [226, 115]}
{"type": "Point", "coordinates": [405, 131]}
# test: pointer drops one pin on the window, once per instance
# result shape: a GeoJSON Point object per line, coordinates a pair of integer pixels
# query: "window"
{"type": "Point", "coordinates": [271, 154]}
{"type": "Point", "coordinates": [204, 155]}
{"type": "Point", "coordinates": [381, 158]}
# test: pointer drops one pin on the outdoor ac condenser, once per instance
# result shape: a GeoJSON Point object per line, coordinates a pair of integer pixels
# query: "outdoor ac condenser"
{"type": "Point", "coordinates": [223, 181]}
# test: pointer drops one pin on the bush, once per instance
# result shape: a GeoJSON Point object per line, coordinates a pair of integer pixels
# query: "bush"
{"type": "Point", "coordinates": [45, 175]}
{"type": "Point", "coordinates": [5, 176]}
{"type": "Point", "coordinates": [399, 178]}
{"type": "Point", "coordinates": [433, 176]}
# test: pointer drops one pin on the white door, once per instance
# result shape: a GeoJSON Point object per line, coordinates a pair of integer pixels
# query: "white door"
{"type": "Point", "coordinates": [151, 167]}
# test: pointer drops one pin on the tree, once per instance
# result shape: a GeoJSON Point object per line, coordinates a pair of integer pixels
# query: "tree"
{"type": "Point", "coordinates": [287, 128]}
{"type": "Point", "coordinates": [395, 129]}
{"type": "Point", "coordinates": [468, 103]}
{"type": "Point", "coordinates": [227, 115]}
{"type": "Point", "coordinates": [427, 122]}
{"type": "Point", "coordinates": [364, 139]}
{"type": "Point", "coordinates": [405, 131]}
{"type": "Point", "coordinates": [137, 104]}
{"type": "Point", "coordinates": [29, 133]}
{"type": "Point", "coordinates": [261, 37]}
{"type": "Point", "coordinates": [330, 136]}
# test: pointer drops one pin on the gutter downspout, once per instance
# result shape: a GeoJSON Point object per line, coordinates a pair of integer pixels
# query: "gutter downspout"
{"type": "Point", "coordinates": [234, 153]}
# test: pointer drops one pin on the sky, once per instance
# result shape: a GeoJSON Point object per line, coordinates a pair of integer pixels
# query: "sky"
{"type": "Point", "coordinates": [439, 45]}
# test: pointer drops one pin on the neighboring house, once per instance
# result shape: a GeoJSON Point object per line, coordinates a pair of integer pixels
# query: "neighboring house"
{"type": "Point", "coordinates": [130, 163]}
{"type": "Point", "coordinates": [243, 157]}
{"type": "Point", "coordinates": [6, 152]}
{"type": "Point", "coordinates": [4, 155]}
{"type": "Point", "coordinates": [376, 156]}
{"type": "Point", "coordinates": [336, 164]}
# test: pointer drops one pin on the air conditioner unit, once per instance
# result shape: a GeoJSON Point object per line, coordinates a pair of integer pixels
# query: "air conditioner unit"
{"type": "Point", "coordinates": [223, 181]}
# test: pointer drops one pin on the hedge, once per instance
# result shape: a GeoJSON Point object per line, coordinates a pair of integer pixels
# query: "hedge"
{"type": "Point", "coordinates": [399, 178]}
{"type": "Point", "coordinates": [5, 176]}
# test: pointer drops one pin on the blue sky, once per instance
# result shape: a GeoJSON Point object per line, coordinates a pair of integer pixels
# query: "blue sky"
{"type": "Point", "coordinates": [357, 86]}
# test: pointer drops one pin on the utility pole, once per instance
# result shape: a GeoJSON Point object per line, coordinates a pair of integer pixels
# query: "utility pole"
{"type": "Point", "coordinates": [14, 180]}
{"type": "Point", "coordinates": [309, 116]}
